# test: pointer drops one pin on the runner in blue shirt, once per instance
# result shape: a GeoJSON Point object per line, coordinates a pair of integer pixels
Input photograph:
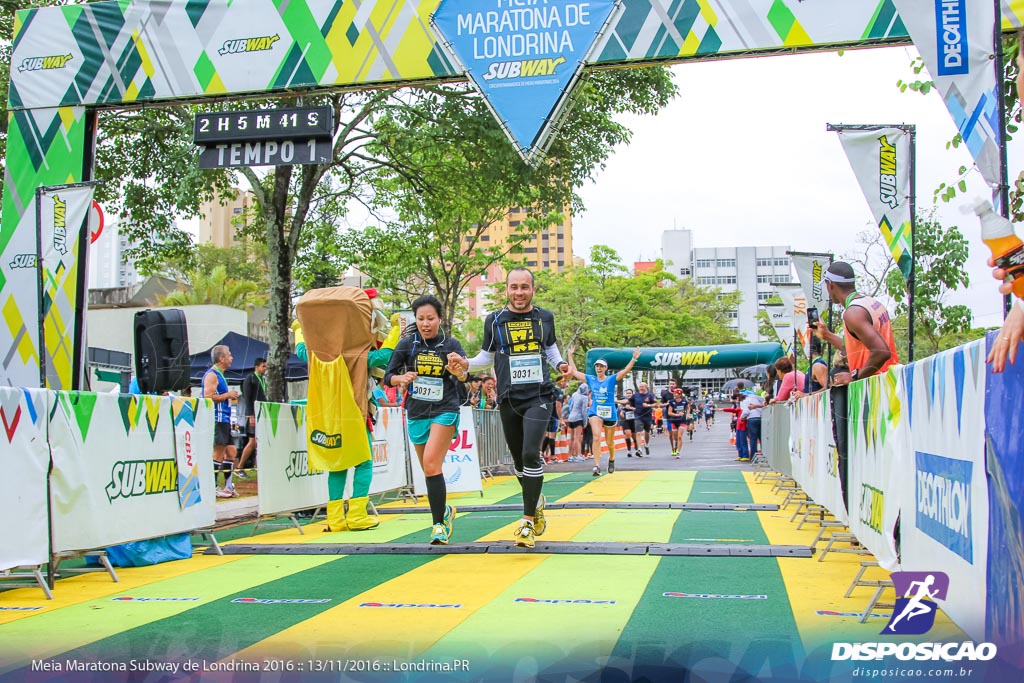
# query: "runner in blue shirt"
{"type": "Point", "coordinates": [603, 412]}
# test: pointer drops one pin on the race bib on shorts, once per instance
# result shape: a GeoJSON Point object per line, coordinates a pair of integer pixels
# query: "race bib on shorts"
{"type": "Point", "coordinates": [629, 415]}
{"type": "Point", "coordinates": [604, 412]}
{"type": "Point", "coordinates": [526, 369]}
{"type": "Point", "coordinates": [428, 389]}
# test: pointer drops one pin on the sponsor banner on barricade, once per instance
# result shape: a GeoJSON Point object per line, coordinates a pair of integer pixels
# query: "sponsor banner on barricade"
{"type": "Point", "coordinates": [945, 525]}
{"type": "Point", "coordinates": [286, 481]}
{"type": "Point", "coordinates": [115, 469]}
{"type": "Point", "coordinates": [1004, 425]}
{"type": "Point", "coordinates": [815, 449]}
{"type": "Point", "coordinates": [389, 451]}
{"type": "Point", "coordinates": [461, 467]}
{"type": "Point", "coordinates": [878, 440]}
{"type": "Point", "coordinates": [775, 435]}
{"type": "Point", "coordinates": [24, 538]}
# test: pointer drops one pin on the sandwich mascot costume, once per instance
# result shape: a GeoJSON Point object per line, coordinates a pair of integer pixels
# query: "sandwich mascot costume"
{"type": "Point", "coordinates": [346, 339]}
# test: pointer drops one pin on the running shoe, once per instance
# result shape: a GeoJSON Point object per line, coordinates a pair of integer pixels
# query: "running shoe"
{"type": "Point", "coordinates": [676, 456]}
{"type": "Point", "coordinates": [449, 518]}
{"type": "Point", "coordinates": [638, 454]}
{"type": "Point", "coordinates": [525, 534]}
{"type": "Point", "coordinates": [439, 535]}
{"type": "Point", "coordinates": [241, 474]}
{"type": "Point", "coordinates": [629, 454]}
{"type": "Point", "coordinates": [231, 491]}
{"type": "Point", "coordinates": [647, 449]}
{"type": "Point", "coordinates": [611, 466]}
{"type": "Point", "coordinates": [597, 471]}
{"type": "Point", "coordinates": [221, 493]}
{"type": "Point", "coordinates": [540, 522]}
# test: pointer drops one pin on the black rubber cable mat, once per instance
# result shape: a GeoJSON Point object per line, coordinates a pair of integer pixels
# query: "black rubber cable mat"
{"type": "Point", "coordinates": [501, 547]}
{"type": "Point", "coordinates": [591, 505]}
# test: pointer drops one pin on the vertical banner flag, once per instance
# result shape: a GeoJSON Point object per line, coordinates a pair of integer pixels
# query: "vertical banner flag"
{"type": "Point", "coordinates": [956, 40]}
{"type": "Point", "coordinates": [809, 270]}
{"type": "Point", "coordinates": [793, 299]}
{"type": "Point", "coordinates": [183, 418]}
{"type": "Point", "coordinates": [880, 159]}
{"type": "Point", "coordinates": [63, 230]}
{"type": "Point", "coordinates": [523, 60]}
{"type": "Point", "coordinates": [782, 323]}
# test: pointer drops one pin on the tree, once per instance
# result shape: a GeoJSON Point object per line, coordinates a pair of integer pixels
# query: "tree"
{"type": "Point", "coordinates": [244, 262]}
{"type": "Point", "coordinates": [215, 287]}
{"type": "Point", "coordinates": [452, 174]}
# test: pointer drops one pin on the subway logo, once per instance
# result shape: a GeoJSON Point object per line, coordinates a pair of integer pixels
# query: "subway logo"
{"type": "Point", "coordinates": [132, 478]}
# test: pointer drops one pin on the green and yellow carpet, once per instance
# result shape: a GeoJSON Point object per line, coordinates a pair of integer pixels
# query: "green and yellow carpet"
{"type": "Point", "coordinates": [514, 616]}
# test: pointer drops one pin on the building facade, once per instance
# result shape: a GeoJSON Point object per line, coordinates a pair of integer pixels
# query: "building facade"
{"type": "Point", "coordinates": [107, 266]}
{"type": "Point", "coordinates": [219, 223]}
{"type": "Point", "coordinates": [549, 249]}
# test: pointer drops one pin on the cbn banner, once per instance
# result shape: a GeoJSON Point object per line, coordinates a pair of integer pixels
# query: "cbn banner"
{"type": "Point", "coordinates": [881, 159]}
{"type": "Point", "coordinates": [793, 299]}
{"type": "Point", "coordinates": [1004, 424]}
{"type": "Point", "coordinates": [782, 323]}
{"type": "Point", "coordinates": [877, 442]}
{"type": "Point", "coordinates": [809, 270]}
{"type": "Point", "coordinates": [63, 239]}
{"type": "Point", "coordinates": [115, 472]}
{"type": "Point", "coordinates": [461, 467]}
{"type": "Point", "coordinates": [945, 526]}
{"type": "Point", "coordinates": [956, 39]}
{"type": "Point", "coordinates": [24, 536]}
{"type": "Point", "coordinates": [814, 454]}
{"type": "Point", "coordinates": [286, 482]}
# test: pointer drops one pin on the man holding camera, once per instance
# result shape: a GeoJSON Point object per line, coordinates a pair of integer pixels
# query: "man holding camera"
{"type": "Point", "coordinates": [868, 337]}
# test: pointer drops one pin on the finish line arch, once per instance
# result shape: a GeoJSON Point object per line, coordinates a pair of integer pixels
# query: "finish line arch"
{"type": "Point", "coordinates": [688, 357]}
{"type": "Point", "coordinates": [68, 61]}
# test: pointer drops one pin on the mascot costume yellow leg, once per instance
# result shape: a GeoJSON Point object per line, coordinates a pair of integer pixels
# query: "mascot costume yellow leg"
{"type": "Point", "coordinates": [346, 339]}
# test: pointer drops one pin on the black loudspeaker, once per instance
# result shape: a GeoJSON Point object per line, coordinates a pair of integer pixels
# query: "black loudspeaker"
{"type": "Point", "coordinates": [161, 351]}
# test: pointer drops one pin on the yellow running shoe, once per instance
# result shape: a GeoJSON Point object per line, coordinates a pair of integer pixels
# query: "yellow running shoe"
{"type": "Point", "coordinates": [540, 523]}
{"type": "Point", "coordinates": [525, 535]}
{"type": "Point", "coordinates": [439, 536]}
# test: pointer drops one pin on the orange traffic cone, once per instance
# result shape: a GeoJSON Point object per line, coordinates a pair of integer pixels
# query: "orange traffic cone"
{"type": "Point", "coordinates": [732, 440]}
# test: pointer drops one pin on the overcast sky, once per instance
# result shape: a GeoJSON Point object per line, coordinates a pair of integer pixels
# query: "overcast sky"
{"type": "Point", "coordinates": [742, 157]}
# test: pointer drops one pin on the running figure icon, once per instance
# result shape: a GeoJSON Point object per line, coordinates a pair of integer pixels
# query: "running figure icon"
{"type": "Point", "coordinates": [916, 606]}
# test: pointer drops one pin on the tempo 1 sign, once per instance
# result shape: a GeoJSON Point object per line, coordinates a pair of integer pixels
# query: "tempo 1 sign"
{"type": "Point", "coordinates": [266, 153]}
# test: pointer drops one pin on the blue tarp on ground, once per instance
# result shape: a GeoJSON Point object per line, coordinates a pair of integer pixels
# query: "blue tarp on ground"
{"type": "Point", "coordinates": [244, 352]}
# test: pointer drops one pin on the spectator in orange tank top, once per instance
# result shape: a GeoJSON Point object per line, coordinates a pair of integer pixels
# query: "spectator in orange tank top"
{"type": "Point", "coordinates": [869, 342]}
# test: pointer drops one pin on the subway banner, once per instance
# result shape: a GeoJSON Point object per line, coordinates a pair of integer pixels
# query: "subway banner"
{"type": "Point", "coordinates": [810, 268]}
{"type": "Point", "coordinates": [24, 536]}
{"type": "Point", "coordinates": [1004, 424]}
{"type": "Point", "coordinates": [687, 357]}
{"type": "Point", "coordinates": [945, 526]}
{"type": "Point", "coordinates": [877, 438]}
{"type": "Point", "coordinates": [881, 159]}
{"type": "Point", "coordinates": [115, 473]}
{"type": "Point", "coordinates": [815, 460]}
{"type": "Point", "coordinates": [461, 467]}
{"type": "Point", "coordinates": [956, 39]}
{"type": "Point", "coordinates": [286, 481]}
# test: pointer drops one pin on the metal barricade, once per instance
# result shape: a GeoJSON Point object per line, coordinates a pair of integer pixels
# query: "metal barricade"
{"type": "Point", "coordinates": [775, 438]}
{"type": "Point", "coordinates": [494, 453]}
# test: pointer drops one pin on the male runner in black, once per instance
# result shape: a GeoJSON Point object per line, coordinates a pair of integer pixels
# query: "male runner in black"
{"type": "Point", "coordinates": [519, 341]}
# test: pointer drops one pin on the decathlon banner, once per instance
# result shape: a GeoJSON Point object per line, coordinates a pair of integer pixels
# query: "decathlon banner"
{"type": "Point", "coordinates": [461, 467]}
{"type": "Point", "coordinates": [793, 299]}
{"type": "Point", "coordinates": [813, 451]}
{"type": "Point", "coordinates": [809, 270]}
{"type": "Point", "coordinates": [286, 482]}
{"type": "Point", "coordinates": [944, 526]}
{"type": "Point", "coordinates": [115, 470]}
{"type": "Point", "coordinates": [956, 39]}
{"type": "Point", "coordinates": [63, 240]}
{"type": "Point", "coordinates": [25, 454]}
{"type": "Point", "coordinates": [878, 440]}
{"type": "Point", "coordinates": [1004, 424]}
{"type": "Point", "coordinates": [881, 159]}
